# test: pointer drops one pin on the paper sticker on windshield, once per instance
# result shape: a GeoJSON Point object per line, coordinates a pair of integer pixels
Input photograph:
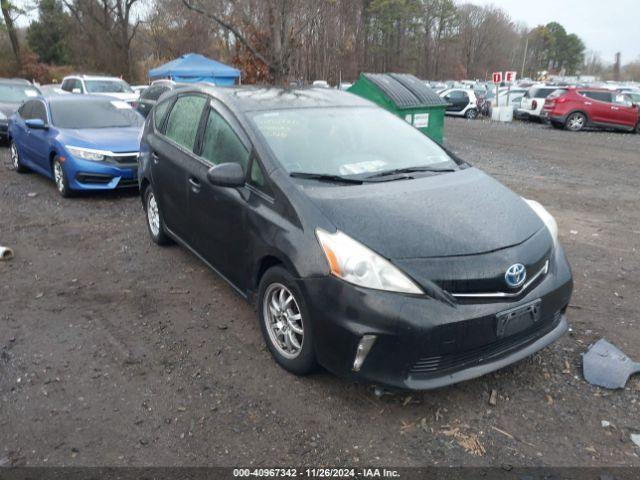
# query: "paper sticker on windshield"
{"type": "Point", "coordinates": [362, 167]}
{"type": "Point", "coordinates": [421, 120]}
{"type": "Point", "coordinates": [31, 93]}
{"type": "Point", "coordinates": [120, 104]}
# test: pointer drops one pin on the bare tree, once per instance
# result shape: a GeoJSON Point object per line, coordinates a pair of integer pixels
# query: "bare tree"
{"type": "Point", "coordinates": [114, 19]}
{"type": "Point", "coordinates": [287, 20]}
{"type": "Point", "coordinates": [7, 8]}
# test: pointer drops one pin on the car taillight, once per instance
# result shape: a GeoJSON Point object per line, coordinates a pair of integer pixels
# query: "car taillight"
{"type": "Point", "coordinates": [561, 100]}
{"type": "Point", "coordinates": [534, 104]}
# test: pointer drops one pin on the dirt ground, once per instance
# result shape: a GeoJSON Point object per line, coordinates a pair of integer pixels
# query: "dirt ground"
{"type": "Point", "coordinates": [116, 352]}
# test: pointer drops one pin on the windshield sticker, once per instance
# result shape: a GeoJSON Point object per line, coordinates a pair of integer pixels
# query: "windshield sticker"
{"type": "Point", "coordinates": [362, 167]}
{"type": "Point", "coordinates": [31, 93]}
{"type": "Point", "coordinates": [120, 104]}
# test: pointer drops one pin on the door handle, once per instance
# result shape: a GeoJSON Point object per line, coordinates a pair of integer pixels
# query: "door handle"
{"type": "Point", "coordinates": [195, 184]}
{"type": "Point", "coordinates": [587, 103]}
{"type": "Point", "coordinates": [155, 157]}
{"type": "Point", "coordinates": [615, 108]}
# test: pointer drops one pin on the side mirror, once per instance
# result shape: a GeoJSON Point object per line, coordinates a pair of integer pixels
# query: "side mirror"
{"type": "Point", "coordinates": [76, 90]}
{"type": "Point", "coordinates": [226, 175]}
{"type": "Point", "coordinates": [36, 124]}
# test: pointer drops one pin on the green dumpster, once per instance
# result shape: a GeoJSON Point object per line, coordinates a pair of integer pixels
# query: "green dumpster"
{"type": "Point", "coordinates": [406, 96]}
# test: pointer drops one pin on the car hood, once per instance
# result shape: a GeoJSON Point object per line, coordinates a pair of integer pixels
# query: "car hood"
{"type": "Point", "coordinates": [118, 140]}
{"type": "Point", "coordinates": [466, 212]}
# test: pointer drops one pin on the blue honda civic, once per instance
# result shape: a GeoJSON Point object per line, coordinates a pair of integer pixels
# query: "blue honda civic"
{"type": "Point", "coordinates": [79, 141]}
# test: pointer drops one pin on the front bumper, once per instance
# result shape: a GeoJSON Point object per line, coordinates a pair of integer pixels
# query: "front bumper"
{"type": "Point", "coordinates": [88, 175]}
{"type": "Point", "coordinates": [424, 343]}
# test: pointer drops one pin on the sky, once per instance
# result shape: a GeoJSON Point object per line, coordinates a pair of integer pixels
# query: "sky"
{"type": "Point", "coordinates": [605, 27]}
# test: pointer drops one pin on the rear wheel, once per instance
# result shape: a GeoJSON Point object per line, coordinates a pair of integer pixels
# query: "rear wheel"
{"type": "Point", "coordinates": [285, 322]}
{"type": "Point", "coordinates": [576, 121]}
{"type": "Point", "coordinates": [15, 158]}
{"type": "Point", "coordinates": [471, 114]}
{"type": "Point", "coordinates": [61, 179]}
{"type": "Point", "coordinates": [155, 223]}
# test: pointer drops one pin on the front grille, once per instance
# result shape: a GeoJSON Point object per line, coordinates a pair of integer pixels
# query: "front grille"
{"type": "Point", "coordinates": [93, 178]}
{"type": "Point", "coordinates": [124, 159]}
{"type": "Point", "coordinates": [428, 366]}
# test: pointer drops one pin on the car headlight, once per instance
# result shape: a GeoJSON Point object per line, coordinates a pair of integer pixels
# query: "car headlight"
{"type": "Point", "coordinates": [354, 263]}
{"type": "Point", "coordinates": [546, 217]}
{"type": "Point", "coordinates": [88, 153]}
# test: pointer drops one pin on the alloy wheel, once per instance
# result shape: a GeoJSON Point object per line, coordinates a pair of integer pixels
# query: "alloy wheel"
{"type": "Point", "coordinates": [576, 122]}
{"type": "Point", "coordinates": [283, 320]}
{"type": "Point", "coordinates": [153, 215]}
{"type": "Point", "coordinates": [15, 159]}
{"type": "Point", "coordinates": [58, 176]}
{"type": "Point", "coordinates": [471, 114]}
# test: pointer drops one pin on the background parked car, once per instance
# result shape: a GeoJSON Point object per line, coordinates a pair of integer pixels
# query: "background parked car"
{"type": "Point", "coordinates": [462, 102]}
{"type": "Point", "coordinates": [95, 85]}
{"type": "Point", "coordinates": [149, 97]}
{"type": "Point", "coordinates": [533, 101]}
{"type": "Point", "coordinates": [82, 142]}
{"type": "Point", "coordinates": [577, 108]}
{"type": "Point", "coordinates": [12, 93]}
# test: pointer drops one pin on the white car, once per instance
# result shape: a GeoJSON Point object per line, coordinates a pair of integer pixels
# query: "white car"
{"type": "Point", "coordinates": [94, 85]}
{"type": "Point", "coordinates": [462, 102]}
{"type": "Point", "coordinates": [533, 101]}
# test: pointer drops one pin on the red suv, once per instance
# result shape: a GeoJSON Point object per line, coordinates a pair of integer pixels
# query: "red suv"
{"type": "Point", "coordinates": [576, 108]}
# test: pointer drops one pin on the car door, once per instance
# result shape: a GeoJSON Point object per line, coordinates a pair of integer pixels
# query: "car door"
{"type": "Point", "coordinates": [598, 106]}
{"type": "Point", "coordinates": [39, 139]}
{"type": "Point", "coordinates": [219, 213]}
{"type": "Point", "coordinates": [623, 111]}
{"type": "Point", "coordinates": [30, 141]}
{"type": "Point", "coordinates": [172, 159]}
{"type": "Point", "coordinates": [19, 131]}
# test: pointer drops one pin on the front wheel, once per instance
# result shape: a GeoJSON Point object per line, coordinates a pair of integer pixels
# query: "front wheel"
{"type": "Point", "coordinates": [576, 121]}
{"type": "Point", "coordinates": [15, 158]}
{"type": "Point", "coordinates": [471, 114]}
{"type": "Point", "coordinates": [285, 322]}
{"type": "Point", "coordinates": [61, 179]}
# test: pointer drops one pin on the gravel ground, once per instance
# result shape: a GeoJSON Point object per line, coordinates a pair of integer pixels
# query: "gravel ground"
{"type": "Point", "coordinates": [117, 352]}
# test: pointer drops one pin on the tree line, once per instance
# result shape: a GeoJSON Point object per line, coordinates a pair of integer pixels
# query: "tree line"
{"type": "Point", "coordinates": [286, 40]}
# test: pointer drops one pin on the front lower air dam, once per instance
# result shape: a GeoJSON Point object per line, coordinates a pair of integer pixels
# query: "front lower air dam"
{"type": "Point", "coordinates": [364, 347]}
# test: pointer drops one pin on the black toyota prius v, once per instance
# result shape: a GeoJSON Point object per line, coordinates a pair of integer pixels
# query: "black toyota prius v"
{"type": "Point", "coordinates": [366, 247]}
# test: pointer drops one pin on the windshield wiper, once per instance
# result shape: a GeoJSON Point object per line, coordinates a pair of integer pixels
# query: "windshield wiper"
{"type": "Point", "coordinates": [326, 177]}
{"type": "Point", "coordinates": [411, 170]}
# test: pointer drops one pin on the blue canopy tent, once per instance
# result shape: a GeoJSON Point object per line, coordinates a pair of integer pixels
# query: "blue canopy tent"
{"type": "Point", "coordinates": [193, 67]}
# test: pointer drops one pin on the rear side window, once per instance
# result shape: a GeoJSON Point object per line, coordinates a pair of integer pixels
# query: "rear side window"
{"type": "Point", "coordinates": [154, 92]}
{"type": "Point", "coordinates": [599, 96]}
{"type": "Point", "coordinates": [184, 118]}
{"type": "Point", "coordinates": [220, 144]}
{"type": "Point", "coordinates": [542, 92]}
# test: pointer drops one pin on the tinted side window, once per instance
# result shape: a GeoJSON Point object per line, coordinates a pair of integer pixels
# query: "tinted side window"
{"type": "Point", "coordinates": [599, 96]}
{"type": "Point", "coordinates": [154, 92]}
{"type": "Point", "coordinates": [160, 112]}
{"type": "Point", "coordinates": [220, 144]}
{"type": "Point", "coordinates": [182, 125]}
{"type": "Point", "coordinates": [66, 85]}
{"type": "Point", "coordinates": [25, 110]}
{"type": "Point", "coordinates": [78, 84]}
{"type": "Point", "coordinates": [38, 111]}
{"type": "Point", "coordinates": [257, 178]}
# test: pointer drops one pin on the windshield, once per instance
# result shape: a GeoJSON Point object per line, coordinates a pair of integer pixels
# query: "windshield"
{"type": "Point", "coordinates": [107, 86]}
{"type": "Point", "coordinates": [346, 141]}
{"type": "Point", "coordinates": [94, 113]}
{"type": "Point", "coordinates": [16, 93]}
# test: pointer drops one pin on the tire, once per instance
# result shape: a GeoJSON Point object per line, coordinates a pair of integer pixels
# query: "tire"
{"type": "Point", "coordinates": [576, 121]}
{"type": "Point", "coordinates": [61, 179]}
{"type": "Point", "coordinates": [155, 223]}
{"type": "Point", "coordinates": [471, 114]}
{"type": "Point", "coordinates": [15, 158]}
{"type": "Point", "coordinates": [291, 344]}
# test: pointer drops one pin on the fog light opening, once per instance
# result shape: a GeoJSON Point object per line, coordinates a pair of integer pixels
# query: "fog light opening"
{"type": "Point", "coordinates": [364, 347]}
